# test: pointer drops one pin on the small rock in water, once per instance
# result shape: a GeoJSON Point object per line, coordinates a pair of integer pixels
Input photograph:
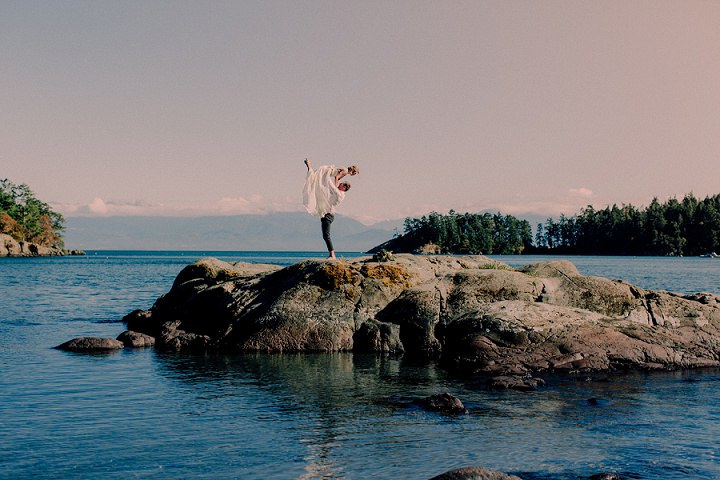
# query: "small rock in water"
{"type": "Point", "coordinates": [136, 340]}
{"type": "Point", "coordinates": [444, 403]}
{"type": "Point", "coordinates": [598, 402]}
{"type": "Point", "coordinates": [90, 344]}
{"type": "Point", "coordinates": [474, 473]}
{"type": "Point", "coordinates": [605, 476]}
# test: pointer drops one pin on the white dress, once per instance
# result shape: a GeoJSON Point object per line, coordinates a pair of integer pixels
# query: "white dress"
{"type": "Point", "coordinates": [320, 195]}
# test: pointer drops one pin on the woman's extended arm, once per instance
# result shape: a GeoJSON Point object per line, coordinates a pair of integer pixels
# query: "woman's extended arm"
{"type": "Point", "coordinates": [341, 172]}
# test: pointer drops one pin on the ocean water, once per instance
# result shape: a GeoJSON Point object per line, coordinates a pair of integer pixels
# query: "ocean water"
{"type": "Point", "coordinates": [145, 414]}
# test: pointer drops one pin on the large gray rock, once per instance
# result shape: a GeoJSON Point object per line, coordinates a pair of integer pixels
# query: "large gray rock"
{"type": "Point", "coordinates": [475, 313]}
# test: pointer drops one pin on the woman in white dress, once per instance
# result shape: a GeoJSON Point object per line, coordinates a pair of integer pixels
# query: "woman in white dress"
{"type": "Point", "coordinates": [323, 192]}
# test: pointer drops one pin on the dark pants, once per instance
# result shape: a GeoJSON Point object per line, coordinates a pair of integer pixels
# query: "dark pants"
{"type": "Point", "coordinates": [325, 222]}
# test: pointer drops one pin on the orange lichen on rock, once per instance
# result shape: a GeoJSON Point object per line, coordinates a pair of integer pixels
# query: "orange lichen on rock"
{"type": "Point", "coordinates": [334, 275]}
{"type": "Point", "coordinates": [390, 275]}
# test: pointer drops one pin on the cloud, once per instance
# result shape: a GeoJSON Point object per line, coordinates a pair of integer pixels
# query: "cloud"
{"type": "Point", "coordinates": [255, 204]}
{"type": "Point", "coordinates": [548, 208]}
{"type": "Point", "coordinates": [235, 204]}
{"type": "Point", "coordinates": [98, 207]}
{"type": "Point", "coordinates": [102, 208]}
{"type": "Point", "coordinates": [569, 202]}
{"type": "Point", "coordinates": [580, 192]}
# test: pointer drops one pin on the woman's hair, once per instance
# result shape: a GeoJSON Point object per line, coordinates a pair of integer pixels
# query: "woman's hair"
{"type": "Point", "coordinates": [347, 185]}
{"type": "Point", "coordinates": [353, 170]}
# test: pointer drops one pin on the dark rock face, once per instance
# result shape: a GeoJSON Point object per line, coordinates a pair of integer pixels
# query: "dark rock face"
{"type": "Point", "coordinates": [476, 314]}
{"type": "Point", "coordinates": [377, 337]}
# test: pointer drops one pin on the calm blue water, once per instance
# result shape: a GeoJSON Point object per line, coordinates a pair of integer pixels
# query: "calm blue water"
{"type": "Point", "coordinates": [143, 414]}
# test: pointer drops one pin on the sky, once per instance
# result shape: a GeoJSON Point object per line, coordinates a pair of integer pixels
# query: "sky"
{"type": "Point", "coordinates": [189, 108]}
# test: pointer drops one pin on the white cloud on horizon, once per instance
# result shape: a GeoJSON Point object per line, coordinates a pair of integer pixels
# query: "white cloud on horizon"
{"type": "Point", "coordinates": [98, 206]}
{"type": "Point", "coordinates": [255, 204]}
{"type": "Point", "coordinates": [570, 203]}
{"type": "Point", "coordinates": [580, 192]}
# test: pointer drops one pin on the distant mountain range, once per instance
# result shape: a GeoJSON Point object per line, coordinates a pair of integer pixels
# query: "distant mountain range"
{"type": "Point", "coordinates": [268, 232]}
{"type": "Point", "coordinates": [294, 231]}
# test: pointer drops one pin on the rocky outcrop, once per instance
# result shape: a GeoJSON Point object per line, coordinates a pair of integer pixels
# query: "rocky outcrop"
{"type": "Point", "coordinates": [9, 247]}
{"type": "Point", "coordinates": [474, 313]}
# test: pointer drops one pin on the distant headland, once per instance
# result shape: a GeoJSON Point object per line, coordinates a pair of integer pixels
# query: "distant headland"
{"type": "Point", "coordinates": [29, 227]}
{"type": "Point", "coordinates": [686, 227]}
{"type": "Point", "coordinates": [9, 247]}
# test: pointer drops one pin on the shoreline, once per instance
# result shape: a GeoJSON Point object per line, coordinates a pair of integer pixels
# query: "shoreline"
{"type": "Point", "coordinates": [59, 253]}
{"type": "Point", "coordinates": [11, 248]}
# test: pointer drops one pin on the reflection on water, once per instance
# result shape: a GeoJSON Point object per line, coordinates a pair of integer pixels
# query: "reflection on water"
{"type": "Point", "coordinates": [147, 414]}
{"type": "Point", "coordinates": [331, 413]}
{"type": "Point", "coordinates": [319, 405]}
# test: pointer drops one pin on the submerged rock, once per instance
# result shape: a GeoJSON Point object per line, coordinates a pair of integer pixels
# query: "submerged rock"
{"type": "Point", "coordinates": [514, 382]}
{"type": "Point", "coordinates": [444, 403]}
{"type": "Point", "coordinates": [474, 313]}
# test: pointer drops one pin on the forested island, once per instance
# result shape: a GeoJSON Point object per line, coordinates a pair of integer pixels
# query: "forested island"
{"type": "Point", "coordinates": [687, 227]}
{"type": "Point", "coordinates": [28, 226]}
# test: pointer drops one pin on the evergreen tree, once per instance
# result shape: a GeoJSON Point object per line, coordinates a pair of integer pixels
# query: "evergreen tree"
{"type": "Point", "coordinates": [540, 241]}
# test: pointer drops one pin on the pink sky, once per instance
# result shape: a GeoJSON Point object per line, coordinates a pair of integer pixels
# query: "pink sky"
{"type": "Point", "coordinates": [189, 108]}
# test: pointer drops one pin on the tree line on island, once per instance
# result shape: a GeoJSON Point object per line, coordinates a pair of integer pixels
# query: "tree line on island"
{"type": "Point", "coordinates": [687, 227]}
{"type": "Point", "coordinates": [28, 219]}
